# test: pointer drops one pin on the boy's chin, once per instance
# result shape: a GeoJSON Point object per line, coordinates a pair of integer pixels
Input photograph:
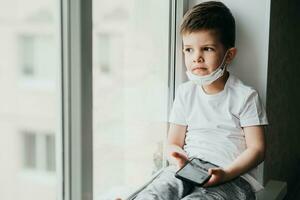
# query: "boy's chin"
{"type": "Point", "coordinates": [200, 72]}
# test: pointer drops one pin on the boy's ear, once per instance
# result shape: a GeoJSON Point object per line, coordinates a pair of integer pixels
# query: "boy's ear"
{"type": "Point", "coordinates": [231, 54]}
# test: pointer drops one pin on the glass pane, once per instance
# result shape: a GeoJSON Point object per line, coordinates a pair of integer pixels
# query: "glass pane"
{"type": "Point", "coordinates": [130, 93]}
{"type": "Point", "coordinates": [30, 99]}
{"type": "Point", "coordinates": [50, 150]}
{"type": "Point", "coordinates": [27, 55]}
{"type": "Point", "coordinates": [29, 150]}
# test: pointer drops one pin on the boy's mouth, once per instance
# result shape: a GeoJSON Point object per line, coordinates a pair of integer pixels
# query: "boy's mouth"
{"type": "Point", "coordinates": [199, 68]}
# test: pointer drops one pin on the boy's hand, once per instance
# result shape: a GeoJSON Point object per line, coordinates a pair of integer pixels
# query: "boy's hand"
{"type": "Point", "coordinates": [218, 175]}
{"type": "Point", "coordinates": [180, 158]}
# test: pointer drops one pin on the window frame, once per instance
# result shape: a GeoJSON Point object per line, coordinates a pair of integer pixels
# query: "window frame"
{"type": "Point", "coordinates": [76, 80]}
{"type": "Point", "coordinates": [77, 143]}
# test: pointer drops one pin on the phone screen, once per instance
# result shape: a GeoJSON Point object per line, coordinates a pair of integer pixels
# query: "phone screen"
{"type": "Point", "coordinates": [194, 171]}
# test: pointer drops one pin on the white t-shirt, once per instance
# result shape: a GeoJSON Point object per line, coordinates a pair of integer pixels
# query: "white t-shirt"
{"type": "Point", "coordinates": [214, 122]}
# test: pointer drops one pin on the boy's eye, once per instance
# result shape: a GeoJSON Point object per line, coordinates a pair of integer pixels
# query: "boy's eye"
{"type": "Point", "coordinates": [208, 49]}
{"type": "Point", "coordinates": [188, 50]}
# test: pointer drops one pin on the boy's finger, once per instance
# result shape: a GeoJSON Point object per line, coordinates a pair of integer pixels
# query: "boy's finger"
{"type": "Point", "coordinates": [180, 156]}
{"type": "Point", "coordinates": [181, 163]}
{"type": "Point", "coordinates": [208, 183]}
{"type": "Point", "coordinates": [209, 171]}
{"type": "Point", "coordinates": [175, 154]}
{"type": "Point", "coordinates": [212, 170]}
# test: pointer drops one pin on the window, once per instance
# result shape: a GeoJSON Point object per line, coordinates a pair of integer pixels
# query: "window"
{"type": "Point", "coordinates": [39, 151]}
{"type": "Point", "coordinates": [50, 150]}
{"type": "Point", "coordinates": [30, 56]}
{"type": "Point", "coordinates": [29, 157]}
{"type": "Point", "coordinates": [130, 93]}
{"type": "Point", "coordinates": [27, 56]}
{"type": "Point", "coordinates": [130, 96]}
{"type": "Point", "coordinates": [105, 50]}
{"type": "Point", "coordinates": [37, 57]}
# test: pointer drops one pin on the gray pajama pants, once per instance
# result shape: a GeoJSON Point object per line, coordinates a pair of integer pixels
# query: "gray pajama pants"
{"type": "Point", "coordinates": [167, 187]}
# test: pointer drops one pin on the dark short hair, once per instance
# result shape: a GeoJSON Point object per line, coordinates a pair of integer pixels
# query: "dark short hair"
{"type": "Point", "coordinates": [211, 15]}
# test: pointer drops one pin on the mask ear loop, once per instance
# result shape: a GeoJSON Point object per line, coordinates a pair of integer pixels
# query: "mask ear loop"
{"type": "Point", "coordinates": [223, 64]}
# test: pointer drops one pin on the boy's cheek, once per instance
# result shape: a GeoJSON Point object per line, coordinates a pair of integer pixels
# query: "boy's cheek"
{"type": "Point", "coordinates": [186, 62]}
{"type": "Point", "coordinates": [187, 65]}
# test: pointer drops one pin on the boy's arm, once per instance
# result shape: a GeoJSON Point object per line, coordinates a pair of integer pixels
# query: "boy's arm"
{"type": "Point", "coordinates": [252, 156]}
{"type": "Point", "coordinates": [175, 142]}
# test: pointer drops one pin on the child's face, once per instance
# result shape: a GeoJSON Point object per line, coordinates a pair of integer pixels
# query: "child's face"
{"type": "Point", "coordinates": [203, 51]}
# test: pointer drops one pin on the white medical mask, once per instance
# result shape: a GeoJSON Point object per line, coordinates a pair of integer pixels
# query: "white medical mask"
{"type": "Point", "coordinates": [210, 78]}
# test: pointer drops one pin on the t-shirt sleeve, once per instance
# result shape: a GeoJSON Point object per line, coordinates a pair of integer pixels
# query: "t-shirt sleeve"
{"type": "Point", "coordinates": [177, 115]}
{"type": "Point", "coordinates": [253, 112]}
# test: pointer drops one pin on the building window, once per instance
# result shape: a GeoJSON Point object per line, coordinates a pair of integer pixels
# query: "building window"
{"type": "Point", "coordinates": [27, 55]}
{"type": "Point", "coordinates": [50, 150]}
{"type": "Point", "coordinates": [37, 57]}
{"type": "Point", "coordinates": [104, 47]}
{"type": "Point", "coordinates": [39, 151]}
{"type": "Point", "coordinates": [29, 158]}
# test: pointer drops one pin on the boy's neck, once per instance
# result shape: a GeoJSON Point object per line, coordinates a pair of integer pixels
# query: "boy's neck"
{"type": "Point", "coordinates": [217, 86]}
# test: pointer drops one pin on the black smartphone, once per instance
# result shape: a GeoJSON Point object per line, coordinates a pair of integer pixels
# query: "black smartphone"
{"type": "Point", "coordinates": [195, 171]}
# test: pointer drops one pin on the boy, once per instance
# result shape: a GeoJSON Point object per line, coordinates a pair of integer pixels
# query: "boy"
{"type": "Point", "coordinates": [215, 117]}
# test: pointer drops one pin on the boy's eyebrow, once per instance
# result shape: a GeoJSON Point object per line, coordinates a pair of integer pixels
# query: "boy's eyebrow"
{"type": "Point", "coordinates": [209, 44]}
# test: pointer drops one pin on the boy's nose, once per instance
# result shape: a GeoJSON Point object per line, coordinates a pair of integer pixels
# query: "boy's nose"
{"type": "Point", "coordinates": [198, 58]}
